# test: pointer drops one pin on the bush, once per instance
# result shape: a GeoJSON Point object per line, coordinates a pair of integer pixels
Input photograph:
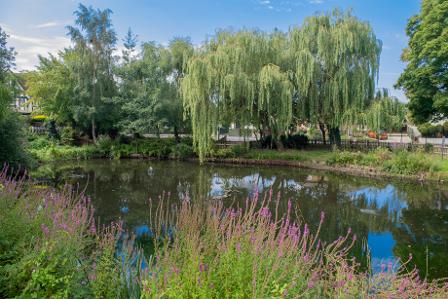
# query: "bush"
{"type": "Point", "coordinates": [67, 136]}
{"type": "Point", "coordinates": [409, 163]}
{"type": "Point", "coordinates": [431, 131]}
{"type": "Point", "coordinates": [13, 142]}
{"type": "Point", "coordinates": [238, 150]}
{"type": "Point", "coordinates": [181, 151]}
{"type": "Point", "coordinates": [219, 252]}
{"type": "Point", "coordinates": [40, 143]}
{"type": "Point", "coordinates": [47, 243]}
{"type": "Point", "coordinates": [222, 153]}
{"type": "Point", "coordinates": [296, 141]}
{"type": "Point", "coordinates": [60, 153]}
{"type": "Point", "coordinates": [39, 118]}
{"type": "Point", "coordinates": [343, 158]}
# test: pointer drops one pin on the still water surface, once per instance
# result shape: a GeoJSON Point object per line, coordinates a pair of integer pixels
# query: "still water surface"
{"type": "Point", "coordinates": [391, 218]}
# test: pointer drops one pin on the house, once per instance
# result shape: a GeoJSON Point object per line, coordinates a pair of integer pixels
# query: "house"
{"type": "Point", "coordinates": [22, 102]}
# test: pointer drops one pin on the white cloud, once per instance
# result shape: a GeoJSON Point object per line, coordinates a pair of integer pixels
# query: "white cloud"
{"type": "Point", "coordinates": [28, 48]}
{"type": "Point", "coordinates": [48, 24]}
{"type": "Point", "coordinates": [285, 5]}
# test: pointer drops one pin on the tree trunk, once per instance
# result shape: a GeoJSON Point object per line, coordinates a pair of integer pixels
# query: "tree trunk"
{"type": "Point", "coordinates": [322, 130]}
{"type": "Point", "coordinates": [176, 134]}
{"type": "Point", "coordinates": [93, 130]}
{"type": "Point", "coordinates": [335, 136]}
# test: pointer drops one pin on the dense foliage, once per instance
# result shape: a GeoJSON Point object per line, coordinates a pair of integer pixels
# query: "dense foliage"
{"type": "Point", "coordinates": [399, 162]}
{"type": "Point", "coordinates": [89, 88]}
{"type": "Point", "coordinates": [12, 135]}
{"type": "Point", "coordinates": [425, 77]}
{"type": "Point", "coordinates": [316, 73]}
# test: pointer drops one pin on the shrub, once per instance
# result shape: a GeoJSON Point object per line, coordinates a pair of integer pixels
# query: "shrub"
{"type": "Point", "coordinates": [67, 136]}
{"type": "Point", "coordinates": [429, 130]}
{"type": "Point", "coordinates": [222, 153]}
{"type": "Point", "coordinates": [13, 142]}
{"type": "Point", "coordinates": [39, 118]}
{"type": "Point", "coordinates": [343, 158]}
{"type": "Point", "coordinates": [239, 150]}
{"type": "Point", "coordinates": [181, 151]}
{"type": "Point", "coordinates": [46, 242]}
{"type": "Point", "coordinates": [221, 252]}
{"type": "Point", "coordinates": [39, 143]}
{"type": "Point", "coordinates": [296, 141]}
{"type": "Point", "coordinates": [409, 163]}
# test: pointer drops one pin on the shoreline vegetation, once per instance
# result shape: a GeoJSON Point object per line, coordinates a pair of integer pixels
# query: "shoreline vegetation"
{"type": "Point", "coordinates": [413, 165]}
{"type": "Point", "coordinates": [200, 250]}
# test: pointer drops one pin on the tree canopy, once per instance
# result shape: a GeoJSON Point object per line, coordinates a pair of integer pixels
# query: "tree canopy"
{"type": "Point", "coordinates": [425, 79]}
{"type": "Point", "coordinates": [316, 73]}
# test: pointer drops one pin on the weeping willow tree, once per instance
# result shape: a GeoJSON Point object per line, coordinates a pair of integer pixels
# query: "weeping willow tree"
{"type": "Point", "coordinates": [336, 66]}
{"type": "Point", "coordinates": [240, 78]}
{"type": "Point", "coordinates": [385, 113]}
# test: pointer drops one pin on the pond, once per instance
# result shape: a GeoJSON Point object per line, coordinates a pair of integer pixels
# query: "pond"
{"type": "Point", "coordinates": [391, 218]}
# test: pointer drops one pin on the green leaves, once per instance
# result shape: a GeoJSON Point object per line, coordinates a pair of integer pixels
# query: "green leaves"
{"type": "Point", "coordinates": [271, 81]}
{"type": "Point", "coordinates": [425, 78]}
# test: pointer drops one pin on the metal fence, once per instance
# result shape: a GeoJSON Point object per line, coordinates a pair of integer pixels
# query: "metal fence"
{"type": "Point", "coordinates": [40, 130]}
{"type": "Point", "coordinates": [362, 145]}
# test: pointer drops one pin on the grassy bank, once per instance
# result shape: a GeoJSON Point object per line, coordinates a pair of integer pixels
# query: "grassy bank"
{"type": "Point", "coordinates": [51, 248]}
{"type": "Point", "coordinates": [417, 164]}
{"type": "Point", "coordinates": [45, 150]}
{"type": "Point", "coordinates": [377, 162]}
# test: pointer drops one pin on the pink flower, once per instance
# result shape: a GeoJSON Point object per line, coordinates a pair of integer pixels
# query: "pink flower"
{"type": "Point", "coordinates": [322, 216]}
{"type": "Point", "coordinates": [45, 229]}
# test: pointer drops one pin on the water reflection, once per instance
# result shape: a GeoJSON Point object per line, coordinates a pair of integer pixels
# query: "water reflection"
{"type": "Point", "coordinates": [393, 218]}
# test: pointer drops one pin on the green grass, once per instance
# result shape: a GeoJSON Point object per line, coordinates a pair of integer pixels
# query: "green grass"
{"type": "Point", "coordinates": [290, 155]}
{"type": "Point", "coordinates": [399, 162]}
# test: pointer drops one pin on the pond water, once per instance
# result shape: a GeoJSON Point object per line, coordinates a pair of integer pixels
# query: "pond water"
{"type": "Point", "coordinates": [391, 218]}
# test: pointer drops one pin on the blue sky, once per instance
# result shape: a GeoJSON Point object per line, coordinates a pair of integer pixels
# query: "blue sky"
{"type": "Point", "coordinates": [38, 26]}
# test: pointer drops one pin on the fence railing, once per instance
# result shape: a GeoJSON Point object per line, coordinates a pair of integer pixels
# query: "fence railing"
{"type": "Point", "coordinates": [367, 145]}
{"type": "Point", "coordinates": [364, 145]}
{"type": "Point", "coordinates": [38, 130]}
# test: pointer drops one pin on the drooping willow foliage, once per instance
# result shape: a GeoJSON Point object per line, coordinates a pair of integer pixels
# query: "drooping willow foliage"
{"type": "Point", "coordinates": [321, 73]}
{"type": "Point", "coordinates": [337, 62]}
{"type": "Point", "coordinates": [385, 113]}
{"type": "Point", "coordinates": [242, 78]}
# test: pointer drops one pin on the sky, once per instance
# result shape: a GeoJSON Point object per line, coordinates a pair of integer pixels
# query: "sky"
{"type": "Point", "coordinates": [38, 26]}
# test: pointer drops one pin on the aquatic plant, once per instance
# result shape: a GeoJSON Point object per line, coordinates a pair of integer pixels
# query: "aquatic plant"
{"type": "Point", "coordinates": [50, 247]}
{"type": "Point", "coordinates": [252, 251]}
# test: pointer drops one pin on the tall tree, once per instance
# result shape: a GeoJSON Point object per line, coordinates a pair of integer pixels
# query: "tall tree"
{"type": "Point", "coordinates": [174, 62]}
{"type": "Point", "coordinates": [52, 85]}
{"type": "Point", "coordinates": [385, 113]}
{"type": "Point", "coordinates": [337, 61]}
{"type": "Point", "coordinates": [94, 40]}
{"type": "Point", "coordinates": [12, 137]}
{"type": "Point", "coordinates": [7, 56]}
{"type": "Point", "coordinates": [140, 86]}
{"type": "Point", "coordinates": [240, 78]}
{"type": "Point", "coordinates": [425, 79]}
{"type": "Point", "coordinates": [130, 44]}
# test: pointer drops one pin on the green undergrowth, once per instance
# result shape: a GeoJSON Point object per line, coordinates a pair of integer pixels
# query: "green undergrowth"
{"type": "Point", "coordinates": [400, 162]}
{"type": "Point", "coordinates": [46, 150]}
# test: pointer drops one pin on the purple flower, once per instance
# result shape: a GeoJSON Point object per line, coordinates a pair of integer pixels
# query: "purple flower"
{"type": "Point", "coordinates": [264, 212]}
{"type": "Point", "coordinates": [202, 267]}
{"type": "Point", "coordinates": [238, 247]}
{"type": "Point", "coordinates": [45, 229]}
